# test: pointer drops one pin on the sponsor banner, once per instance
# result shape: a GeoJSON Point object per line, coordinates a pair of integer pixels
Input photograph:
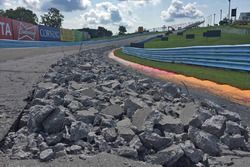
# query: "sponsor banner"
{"type": "Point", "coordinates": [78, 35]}
{"type": "Point", "coordinates": [49, 33]}
{"type": "Point", "coordinates": [25, 31]}
{"type": "Point", "coordinates": [86, 36]}
{"type": "Point", "coordinates": [6, 28]}
{"type": "Point", "coordinates": [234, 12]}
{"type": "Point", "coordinates": [67, 35]}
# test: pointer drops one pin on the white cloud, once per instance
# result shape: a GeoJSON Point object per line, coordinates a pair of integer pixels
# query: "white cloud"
{"type": "Point", "coordinates": [112, 15]}
{"type": "Point", "coordinates": [103, 13]}
{"type": "Point", "coordinates": [67, 5]}
{"type": "Point", "coordinates": [85, 3]}
{"type": "Point", "coordinates": [80, 13]}
{"type": "Point", "coordinates": [141, 2]}
{"type": "Point", "coordinates": [7, 4]}
{"type": "Point", "coordinates": [32, 4]}
{"type": "Point", "coordinates": [178, 9]}
{"type": "Point", "coordinates": [63, 5]}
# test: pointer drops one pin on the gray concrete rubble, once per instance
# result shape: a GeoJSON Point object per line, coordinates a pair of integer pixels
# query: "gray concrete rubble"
{"type": "Point", "coordinates": [86, 105]}
{"type": "Point", "coordinates": [46, 155]}
{"type": "Point", "coordinates": [167, 157]}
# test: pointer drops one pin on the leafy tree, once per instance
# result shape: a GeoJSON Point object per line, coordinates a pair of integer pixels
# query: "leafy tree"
{"type": "Point", "coordinates": [122, 30]}
{"type": "Point", "coordinates": [102, 32]}
{"type": "Point", "coordinates": [109, 33]}
{"type": "Point", "coordinates": [225, 21]}
{"type": "Point", "coordinates": [20, 14]}
{"type": "Point", "coordinates": [98, 33]}
{"type": "Point", "coordinates": [53, 18]}
{"type": "Point", "coordinates": [1, 12]}
{"type": "Point", "coordinates": [93, 32]}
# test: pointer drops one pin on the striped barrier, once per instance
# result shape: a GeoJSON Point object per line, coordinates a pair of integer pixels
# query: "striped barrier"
{"type": "Point", "coordinates": [236, 57]}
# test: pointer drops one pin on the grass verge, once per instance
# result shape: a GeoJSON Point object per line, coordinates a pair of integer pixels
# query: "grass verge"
{"type": "Point", "coordinates": [237, 79]}
{"type": "Point", "coordinates": [181, 41]}
{"type": "Point", "coordinates": [242, 26]}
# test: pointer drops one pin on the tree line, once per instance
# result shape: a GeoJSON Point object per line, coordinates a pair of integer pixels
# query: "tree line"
{"type": "Point", "coordinates": [53, 18]}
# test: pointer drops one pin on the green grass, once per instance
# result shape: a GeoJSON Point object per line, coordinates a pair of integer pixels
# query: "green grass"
{"type": "Point", "coordinates": [237, 79]}
{"type": "Point", "coordinates": [181, 41]}
{"type": "Point", "coordinates": [242, 26]}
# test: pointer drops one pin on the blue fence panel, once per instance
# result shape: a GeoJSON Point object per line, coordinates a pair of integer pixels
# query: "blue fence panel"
{"type": "Point", "coordinates": [29, 44]}
{"type": "Point", "coordinates": [49, 33]}
{"type": "Point", "coordinates": [235, 57]}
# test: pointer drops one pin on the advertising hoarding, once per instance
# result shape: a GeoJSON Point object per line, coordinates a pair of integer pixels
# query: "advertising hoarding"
{"type": "Point", "coordinates": [6, 28]}
{"type": "Point", "coordinates": [25, 31]}
{"type": "Point", "coordinates": [78, 35]}
{"type": "Point", "coordinates": [212, 33]}
{"type": "Point", "coordinates": [234, 12]}
{"type": "Point", "coordinates": [86, 36]}
{"type": "Point", "coordinates": [49, 33]}
{"type": "Point", "coordinates": [67, 35]}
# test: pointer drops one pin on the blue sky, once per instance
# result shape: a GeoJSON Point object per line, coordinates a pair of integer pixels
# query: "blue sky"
{"type": "Point", "coordinates": [131, 13]}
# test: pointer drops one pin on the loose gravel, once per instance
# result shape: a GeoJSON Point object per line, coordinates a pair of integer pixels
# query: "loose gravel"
{"type": "Point", "coordinates": [86, 105]}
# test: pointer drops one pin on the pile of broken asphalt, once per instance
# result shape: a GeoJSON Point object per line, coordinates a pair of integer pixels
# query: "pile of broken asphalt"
{"type": "Point", "coordinates": [86, 105]}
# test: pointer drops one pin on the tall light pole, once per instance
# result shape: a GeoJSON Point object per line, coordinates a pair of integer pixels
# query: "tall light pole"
{"type": "Point", "coordinates": [214, 19]}
{"type": "Point", "coordinates": [229, 9]}
{"type": "Point", "coordinates": [211, 19]}
{"type": "Point", "coordinates": [220, 14]}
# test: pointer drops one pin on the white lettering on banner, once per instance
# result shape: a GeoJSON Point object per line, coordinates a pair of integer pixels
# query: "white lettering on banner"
{"type": "Point", "coordinates": [49, 34]}
{"type": "Point", "coordinates": [8, 30]}
{"type": "Point", "coordinates": [5, 29]}
{"type": "Point", "coordinates": [26, 31]}
{"type": "Point", "coordinates": [2, 28]}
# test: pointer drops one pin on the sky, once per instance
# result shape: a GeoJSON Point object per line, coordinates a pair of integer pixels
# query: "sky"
{"type": "Point", "coordinates": [130, 13]}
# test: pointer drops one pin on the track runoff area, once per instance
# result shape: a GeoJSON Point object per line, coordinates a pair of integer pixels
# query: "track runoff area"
{"type": "Point", "coordinates": [231, 84]}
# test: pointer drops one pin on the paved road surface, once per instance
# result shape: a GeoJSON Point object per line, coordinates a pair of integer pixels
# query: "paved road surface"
{"type": "Point", "coordinates": [100, 160]}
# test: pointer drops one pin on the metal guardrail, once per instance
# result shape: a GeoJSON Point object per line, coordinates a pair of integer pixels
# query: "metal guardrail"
{"type": "Point", "coordinates": [236, 57]}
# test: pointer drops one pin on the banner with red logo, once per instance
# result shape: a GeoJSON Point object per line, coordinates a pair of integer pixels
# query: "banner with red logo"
{"type": "Point", "coordinates": [25, 31]}
{"type": "Point", "coordinates": [6, 28]}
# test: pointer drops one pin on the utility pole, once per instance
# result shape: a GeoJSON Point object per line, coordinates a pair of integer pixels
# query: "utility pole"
{"type": "Point", "coordinates": [214, 18]}
{"type": "Point", "coordinates": [211, 19]}
{"type": "Point", "coordinates": [220, 14]}
{"type": "Point", "coordinates": [229, 10]}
